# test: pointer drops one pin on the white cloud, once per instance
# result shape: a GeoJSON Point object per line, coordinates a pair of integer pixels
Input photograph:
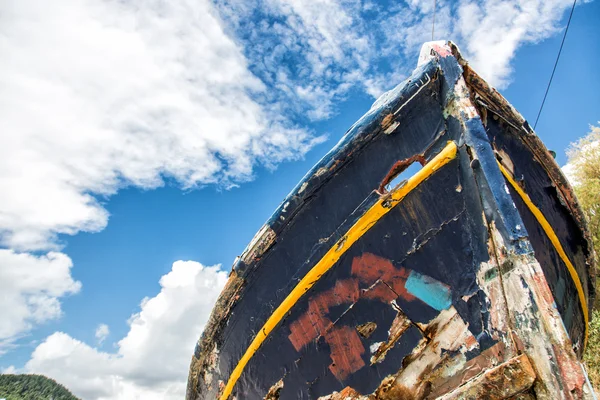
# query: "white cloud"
{"type": "Point", "coordinates": [153, 358]}
{"type": "Point", "coordinates": [30, 290]}
{"type": "Point", "coordinates": [102, 332]}
{"type": "Point", "coordinates": [101, 94]}
{"type": "Point", "coordinates": [9, 370]}
{"type": "Point", "coordinates": [97, 95]}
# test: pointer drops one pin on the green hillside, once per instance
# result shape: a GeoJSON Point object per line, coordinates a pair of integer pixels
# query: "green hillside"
{"type": "Point", "coordinates": [32, 387]}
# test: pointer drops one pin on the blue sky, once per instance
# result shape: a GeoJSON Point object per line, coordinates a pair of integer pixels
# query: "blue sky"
{"type": "Point", "coordinates": [141, 134]}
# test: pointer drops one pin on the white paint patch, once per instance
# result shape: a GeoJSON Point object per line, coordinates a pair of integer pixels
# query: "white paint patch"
{"type": "Point", "coordinates": [375, 346]}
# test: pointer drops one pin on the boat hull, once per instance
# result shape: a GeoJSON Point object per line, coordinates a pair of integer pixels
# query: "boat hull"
{"type": "Point", "coordinates": [473, 275]}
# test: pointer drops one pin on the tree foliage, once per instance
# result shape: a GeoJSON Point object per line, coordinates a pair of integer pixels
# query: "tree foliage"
{"type": "Point", "coordinates": [584, 157]}
{"type": "Point", "coordinates": [32, 387]}
{"type": "Point", "coordinates": [591, 356]}
{"type": "Point", "coordinates": [584, 160]}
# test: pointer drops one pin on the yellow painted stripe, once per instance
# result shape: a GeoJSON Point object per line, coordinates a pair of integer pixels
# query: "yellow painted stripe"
{"type": "Point", "coordinates": [555, 242]}
{"type": "Point", "coordinates": [364, 223]}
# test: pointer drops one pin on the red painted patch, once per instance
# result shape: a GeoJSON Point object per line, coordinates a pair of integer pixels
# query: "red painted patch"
{"type": "Point", "coordinates": [346, 351]}
{"type": "Point", "coordinates": [379, 280]}
{"type": "Point", "coordinates": [443, 51]}
{"type": "Point", "coordinates": [543, 288]}
{"type": "Point", "coordinates": [314, 321]}
{"type": "Point", "coordinates": [370, 268]}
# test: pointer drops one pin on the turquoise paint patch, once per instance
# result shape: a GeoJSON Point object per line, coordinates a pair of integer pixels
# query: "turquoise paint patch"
{"type": "Point", "coordinates": [431, 291]}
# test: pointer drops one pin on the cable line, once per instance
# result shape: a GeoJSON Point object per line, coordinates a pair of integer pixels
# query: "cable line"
{"type": "Point", "coordinates": [555, 64]}
{"type": "Point", "coordinates": [433, 23]}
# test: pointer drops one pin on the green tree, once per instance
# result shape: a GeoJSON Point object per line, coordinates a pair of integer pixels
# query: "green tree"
{"type": "Point", "coordinates": [584, 172]}
{"type": "Point", "coordinates": [32, 387]}
{"type": "Point", "coordinates": [591, 356]}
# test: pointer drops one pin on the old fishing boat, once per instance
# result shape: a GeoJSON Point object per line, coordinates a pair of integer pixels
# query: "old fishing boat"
{"type": "Point", "coordinates": [470, 278]}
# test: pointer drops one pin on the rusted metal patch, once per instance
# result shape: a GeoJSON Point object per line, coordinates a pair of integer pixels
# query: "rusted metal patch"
{"type": "Point", "coordinates": [398, 168]}
{"type": "Point", "coordinates": [506, 380]}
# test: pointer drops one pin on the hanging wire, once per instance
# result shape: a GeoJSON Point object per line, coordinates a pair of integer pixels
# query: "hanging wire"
{"type": "Point", "coordinates": [433, 23]}
{"type": "Point", "coordinates": [555, 64]}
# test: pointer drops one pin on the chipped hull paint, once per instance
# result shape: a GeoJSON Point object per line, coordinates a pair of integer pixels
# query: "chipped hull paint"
{"type": "Point", "coordinates": [445, 286]}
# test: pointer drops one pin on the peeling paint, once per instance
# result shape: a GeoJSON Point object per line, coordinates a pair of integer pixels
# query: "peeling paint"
{"type": "Point", "coordinates": [274, 391]}
{"type": "Point", "coordinates": [400, 324]}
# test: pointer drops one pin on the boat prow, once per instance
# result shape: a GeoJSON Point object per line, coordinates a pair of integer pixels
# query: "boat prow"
{"type": "Point", "coordinates": [472, 277]}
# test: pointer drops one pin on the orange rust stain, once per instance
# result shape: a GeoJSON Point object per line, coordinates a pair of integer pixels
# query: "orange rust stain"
{"type": "Point", "coordinates": [369, 268]}
{"type": "Point", "coordinates": [346, 351]}
{"type": "Point", "coordinates": [399, 167]}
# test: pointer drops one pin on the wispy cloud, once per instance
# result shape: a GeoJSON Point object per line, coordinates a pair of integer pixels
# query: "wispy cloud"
{"type": "Point", "coordinates": [319, 51]}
